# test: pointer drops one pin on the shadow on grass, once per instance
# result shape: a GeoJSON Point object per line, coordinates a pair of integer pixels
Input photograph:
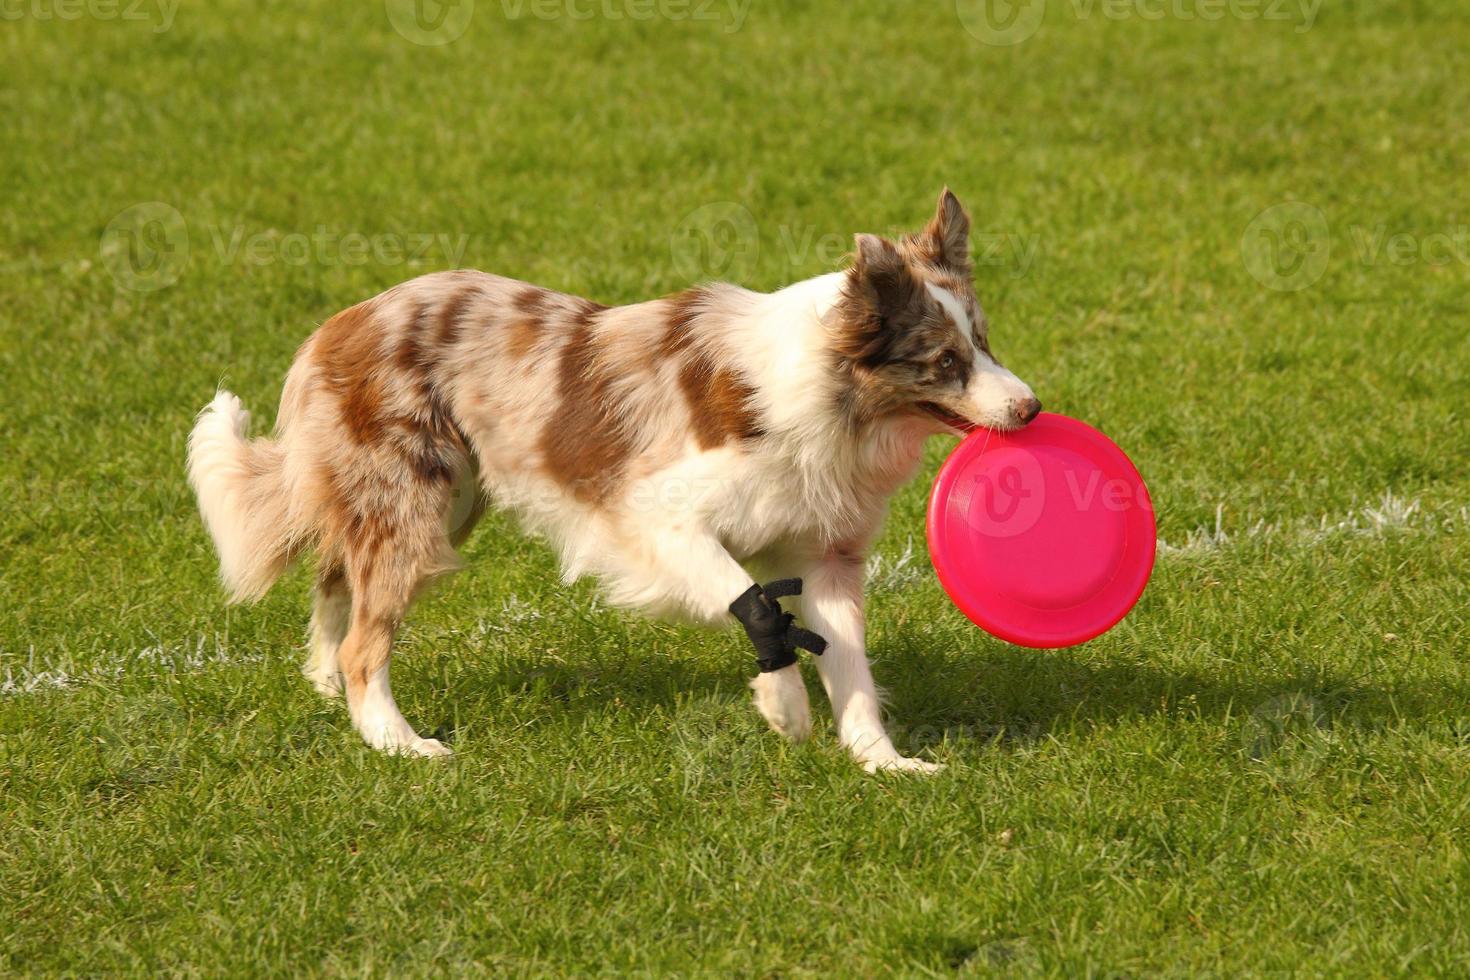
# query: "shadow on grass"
{"type": "Point", "coordinates": [1009, 695]}
{"type": "Point", "coordinates": [997, 694]}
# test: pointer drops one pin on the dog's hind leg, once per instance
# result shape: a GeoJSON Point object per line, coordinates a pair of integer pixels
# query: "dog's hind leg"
{"type": "Point", "coordinates": [331, 615]}
{"type": "Point", "coordinates": [381, 596]}
{"type": "Point", "coordinates": [395, 544]}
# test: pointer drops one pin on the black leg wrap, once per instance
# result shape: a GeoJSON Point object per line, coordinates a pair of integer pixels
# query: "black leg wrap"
{"type": "Point", "coordinates": [772, 632]}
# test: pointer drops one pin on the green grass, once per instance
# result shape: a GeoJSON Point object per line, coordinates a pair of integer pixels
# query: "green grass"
{"type": "Point", "coordinates": [1263, 769]}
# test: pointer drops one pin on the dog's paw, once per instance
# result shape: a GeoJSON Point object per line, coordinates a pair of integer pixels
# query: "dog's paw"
{"type": "Point", "coordinates": [428, 748]}
{"type": "Point", "coordinates": [395, 737]}
{"type": "Point", "coordinates": [780, 697]}
{"type": "Point", "coordinates": [901, 764]}
{"type": "Point", "coordinates": [423, 748]}
{"type": "Point", "coordinates": [328, 683]}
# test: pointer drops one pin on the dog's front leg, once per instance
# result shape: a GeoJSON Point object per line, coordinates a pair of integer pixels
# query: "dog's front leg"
{"type": "Point", "coordinates": [706, 579]}
{"type": "Point", "coordinates": [833, 607]}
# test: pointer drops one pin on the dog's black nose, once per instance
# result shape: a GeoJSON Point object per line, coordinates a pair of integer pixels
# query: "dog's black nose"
{"type": "Point", "coordinates": [1027, 409]}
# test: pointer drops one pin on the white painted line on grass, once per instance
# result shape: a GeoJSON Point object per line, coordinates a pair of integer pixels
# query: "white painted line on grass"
{"type": "Point", "coordinates": [1390, 514]}
{"type": "Point", "coordinates": [34, 675]}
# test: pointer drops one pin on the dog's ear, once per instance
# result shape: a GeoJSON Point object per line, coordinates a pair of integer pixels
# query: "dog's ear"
{"type": "Point", "coordinates": [882, 277]}
{"type": "Point", "coordinates": [945, 240]}
{"type": "Point", "coordinates": [881, 291]}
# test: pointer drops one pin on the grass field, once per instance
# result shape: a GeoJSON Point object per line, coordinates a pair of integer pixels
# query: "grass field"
{"type": "Point", "coordinates": [1233, 236]}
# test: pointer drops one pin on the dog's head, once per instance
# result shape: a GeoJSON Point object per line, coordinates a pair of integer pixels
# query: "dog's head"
{"type": "Point", "coordinates": [913, 338]}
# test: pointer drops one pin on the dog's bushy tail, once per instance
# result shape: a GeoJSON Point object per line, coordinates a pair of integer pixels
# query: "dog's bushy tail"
{"type": "Point", "coordinates": [244, 498]}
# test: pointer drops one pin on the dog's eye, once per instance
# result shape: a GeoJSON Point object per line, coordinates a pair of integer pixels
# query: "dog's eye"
{"type": "Point", "coordinates": [946, 362]}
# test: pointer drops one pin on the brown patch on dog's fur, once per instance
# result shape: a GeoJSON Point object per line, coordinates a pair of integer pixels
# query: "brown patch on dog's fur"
{"type": "Point", "coordinates": [414, 357]}
{"type": "Point", "coordinates": [525, 328]}
{"type": "Point", "coordinates": [432, 446]}
{"type": "Point", "coordinates": [683, 308]}
{"type": "Point", "coordinates": [347, 346]}
{"type": "Point", "coordinates": [352, 532]}
{"type": "Point", "coordinates": [450, 315]}
{"type": "Point", "coordinates": [586, 310]}
{"type": "Point", "coordinates": [428, 439]}
{"type": "Point", "coordinates": [719, 400]}
{"type": "Point", "coordinates": [719, 404]}
{"type": "Point", "coordinates": [430, 467]}
{"type": "Point", "coordinates": [584, 446]}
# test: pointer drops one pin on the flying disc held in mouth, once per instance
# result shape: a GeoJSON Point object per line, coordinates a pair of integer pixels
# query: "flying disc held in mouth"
{"type": "Point", "coordinates": [1043, 536]}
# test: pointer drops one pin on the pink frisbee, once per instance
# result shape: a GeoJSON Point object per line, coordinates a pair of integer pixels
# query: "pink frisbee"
{"type": "Point", "coordinates": [1043, 536]}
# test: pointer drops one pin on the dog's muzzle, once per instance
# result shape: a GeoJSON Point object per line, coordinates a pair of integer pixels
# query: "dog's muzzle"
{"type": "Point", "coordinates": [774, 633]}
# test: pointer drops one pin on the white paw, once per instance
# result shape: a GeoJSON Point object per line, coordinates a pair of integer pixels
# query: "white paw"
{"type": "Point", "coordinates": [395, 737]}
{"type": "Point", "coordinates": [780, 697]}
{"type": "Point", "coordinates": [901, 764]}
{"type": "Point", "coordinates": [425, 747]}
{"type": "Point", "coordinates": [410, 745]}
{"type": "Point", "coordinates": [328, 683]}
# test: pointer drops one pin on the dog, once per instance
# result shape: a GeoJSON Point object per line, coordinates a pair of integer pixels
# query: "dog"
{"type": "Point", "coordinates": [673, 449]}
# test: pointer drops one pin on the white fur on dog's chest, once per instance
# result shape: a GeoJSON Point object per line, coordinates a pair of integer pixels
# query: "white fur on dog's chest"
{"type": "Point", "coordinates": [756, 505]}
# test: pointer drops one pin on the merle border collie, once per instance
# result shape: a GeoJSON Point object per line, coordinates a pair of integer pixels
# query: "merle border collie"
{"type": "Point", "coordinates": [680, 450]}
